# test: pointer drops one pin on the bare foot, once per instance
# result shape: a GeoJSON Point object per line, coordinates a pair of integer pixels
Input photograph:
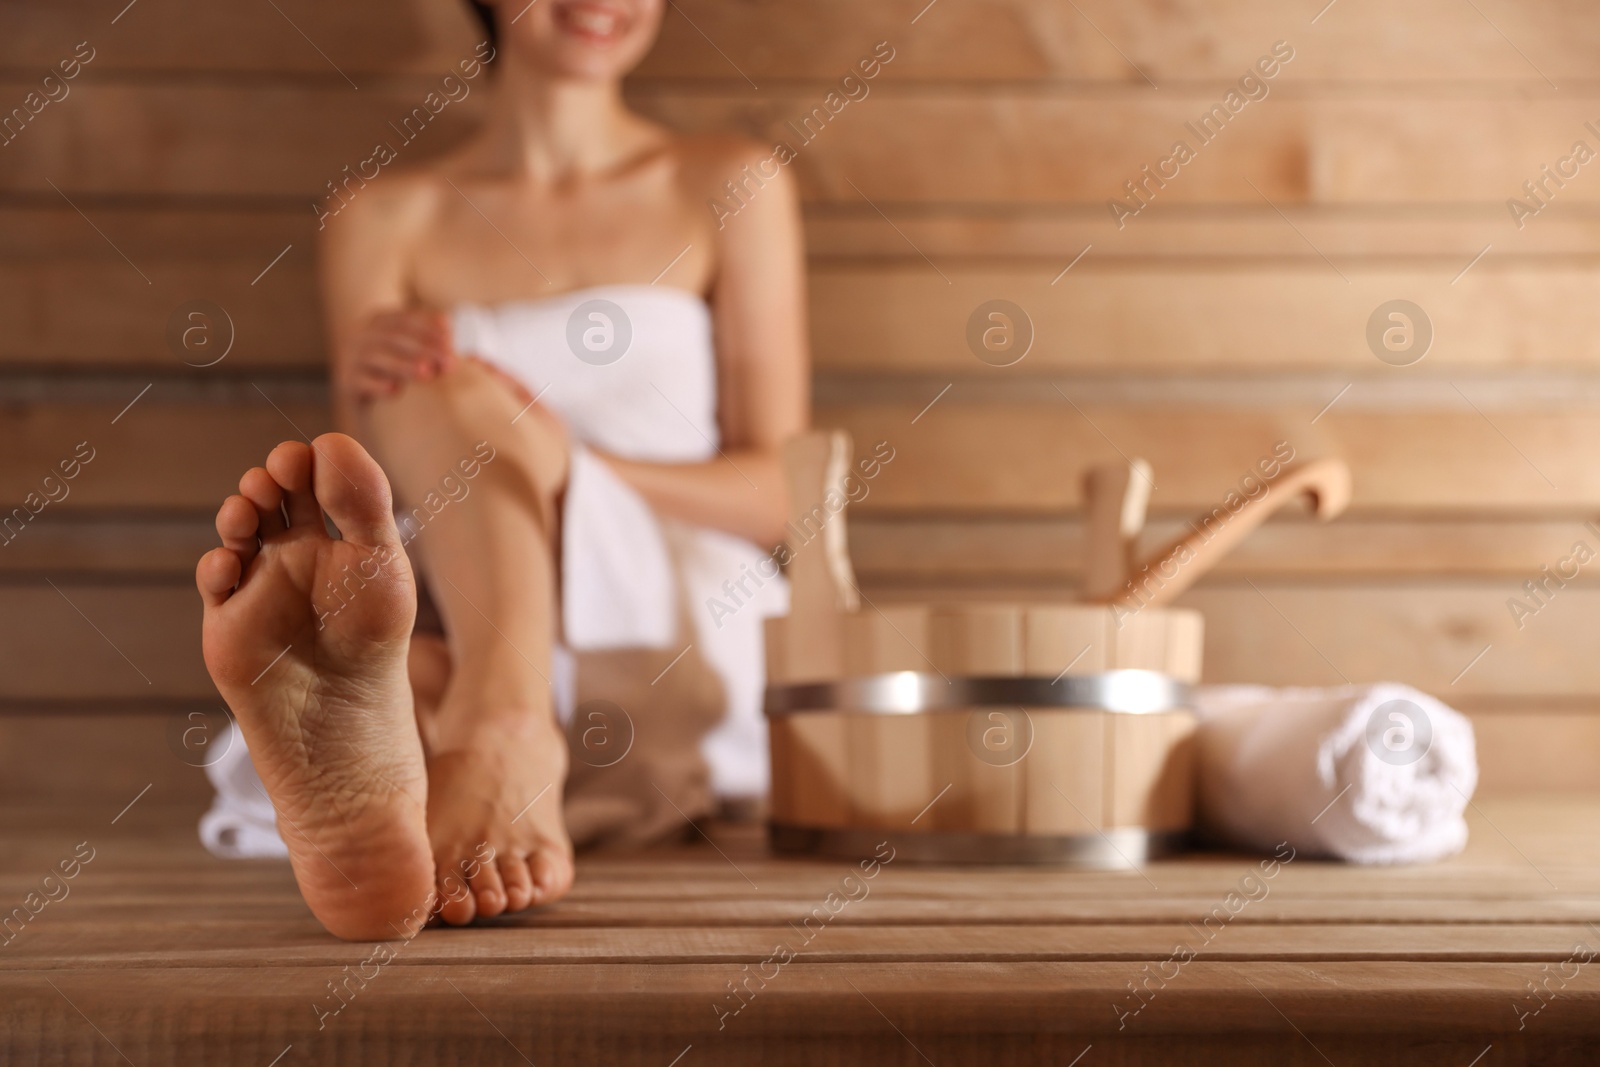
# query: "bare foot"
{"type": "Point", "coordinates": [498, 783]}
{"type": "Point", "coordinates": [306, 638]}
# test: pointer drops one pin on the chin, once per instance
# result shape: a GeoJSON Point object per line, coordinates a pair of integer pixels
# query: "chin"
{"type": "Point", "coordinates": [589, 40]}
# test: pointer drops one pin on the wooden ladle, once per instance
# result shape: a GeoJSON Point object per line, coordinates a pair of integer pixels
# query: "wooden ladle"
{"type": "Point", "coordinates": [1179, 564]}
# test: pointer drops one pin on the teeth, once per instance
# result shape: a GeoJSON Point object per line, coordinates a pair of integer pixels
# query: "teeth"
{"type": "Point", "coordinates": [589, 20]}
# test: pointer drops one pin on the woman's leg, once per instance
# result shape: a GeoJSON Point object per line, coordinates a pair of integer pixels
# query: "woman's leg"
{"type": "Point", "coordinates": [479, 481]}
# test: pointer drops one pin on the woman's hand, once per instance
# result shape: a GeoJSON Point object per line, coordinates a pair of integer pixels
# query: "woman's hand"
{"type": "Point", "coordinates": [395, 347]}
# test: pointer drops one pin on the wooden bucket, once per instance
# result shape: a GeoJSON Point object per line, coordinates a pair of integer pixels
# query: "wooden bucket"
{"type": "Point", "coordinates": [1001, 733]}
{"type": "Point", "coordinates": [986, 734]}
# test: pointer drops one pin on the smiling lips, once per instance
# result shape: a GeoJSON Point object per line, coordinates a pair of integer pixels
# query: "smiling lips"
{"type": "Point", "coordinates": [593, 22]}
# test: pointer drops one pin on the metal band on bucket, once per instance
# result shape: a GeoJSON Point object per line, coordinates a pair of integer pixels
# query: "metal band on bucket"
{"type": "Point", "coordinates": [1125, 692]}
{"type": "Point", "coordinates": [1123, 848]}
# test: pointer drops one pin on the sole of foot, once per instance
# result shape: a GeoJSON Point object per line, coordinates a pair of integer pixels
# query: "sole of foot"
{"type": "Point", "coordinates": [306, 637]}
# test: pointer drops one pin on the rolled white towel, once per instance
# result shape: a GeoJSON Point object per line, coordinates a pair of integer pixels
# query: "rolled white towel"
{"type": "Point", "coordinates": [1366, 773]}
{"type": "Point", "coordinates": [241, 823]}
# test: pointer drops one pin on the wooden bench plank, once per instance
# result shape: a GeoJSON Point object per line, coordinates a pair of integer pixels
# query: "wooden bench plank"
{"type": "Point", "coordinates": [960, 963]}
{"type": "Point", "coordinates": [100, 942]}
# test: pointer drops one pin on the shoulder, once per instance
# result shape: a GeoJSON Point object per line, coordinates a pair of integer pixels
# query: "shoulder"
{"type": "Point", "coordinates": [709, 162]}
{"type": "Point", "coordinates": [389, 211]}
{"type": "Point", "coordinates": [736, 176]}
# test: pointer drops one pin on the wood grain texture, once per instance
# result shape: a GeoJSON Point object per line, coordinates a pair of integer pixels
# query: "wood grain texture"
{"type": "Point", "coordinates": [1269, 632]}
{"type": "Point", "coordinates": [1129, 318]}
{"type": "Point", "coordinates": [1208, 316]}
{"type": "Point", "coordinates": [972, 458]}
{"type": "Point", "coordinates": [894, 145]}
{"type": "Point", "coordinates": [167, 956]}
{"type": "Point", "coordinates": [1005, 556]}
{"type": "Point", "coordinates": [181, 36]}
{"type": "Point", "coordinates": [993, 41]}
{"type": "Point", "coordinates": [1211, 293]}
{"type": "Point", "coordinates": [187, 453]}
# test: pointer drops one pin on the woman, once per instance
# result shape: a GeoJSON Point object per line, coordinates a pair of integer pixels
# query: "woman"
{"type": "Point", "coordinates": [576, 378]}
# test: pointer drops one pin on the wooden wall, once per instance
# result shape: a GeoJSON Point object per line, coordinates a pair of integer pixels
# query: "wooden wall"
{"type": "Point", "coordinates": [1225, 317]}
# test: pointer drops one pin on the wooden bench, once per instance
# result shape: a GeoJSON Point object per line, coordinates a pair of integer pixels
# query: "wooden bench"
{"type": "Point", "coordinates": [160, 954]}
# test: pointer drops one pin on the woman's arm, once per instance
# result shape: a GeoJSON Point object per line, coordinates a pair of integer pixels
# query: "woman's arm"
{"type": "Point", "coordinates": [758, 309]}
{"type": "Point", "coordinates": [374, 341]}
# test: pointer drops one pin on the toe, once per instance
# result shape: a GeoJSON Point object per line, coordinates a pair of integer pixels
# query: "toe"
{"type": "Point", "coordinates": [290, 466]}
{"type": "Point", "coordinates": [351, 487]}
{"type": "Point", "coordinates": [237, 523]}
{"type": "Point", "coordinates": [487, 888]}
{"type": "Point", "coordinates": [518, 880]}
{"type": "Point", "coordinates": [258, 487]}
{"type": "Point", "coordinates": [216, 575]}
{"type": "Point", "coordinates": [552, 873]}
{"type": "Point", "coordinates": [456, 904]}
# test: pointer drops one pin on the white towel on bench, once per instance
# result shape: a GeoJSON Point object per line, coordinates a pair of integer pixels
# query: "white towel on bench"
{"type": "Point", "coordinates": [241, 823]}
{"type": "Point", "coordinates": [1366, 773]}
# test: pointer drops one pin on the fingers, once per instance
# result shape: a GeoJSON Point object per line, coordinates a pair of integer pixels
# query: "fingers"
{"type": "Point", "coordinates": [403, 345]}
{"type": "Point", "coordinates": [216, 575]}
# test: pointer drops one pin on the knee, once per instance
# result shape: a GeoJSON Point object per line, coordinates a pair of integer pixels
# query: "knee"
{"type": "Point", "coordinates": [474, 405]}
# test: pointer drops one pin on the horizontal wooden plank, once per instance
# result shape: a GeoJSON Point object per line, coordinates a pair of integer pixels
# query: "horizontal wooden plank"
{"type": "Point", "coordinates": [569, 1013]}
{"type": "Point", "coordinates": [301, 37]}
{"type": "Point", "coordinates": [1104, 317]}
{"type": "Point", "coordinates": [1525, 747]}
{"type": "Point", "coordinates": [105, 312]}
{"type": "Point", "coordinates": [995, 41]}
{"type": "Point", "coordinates": [187, 453]}
{"type": "Point", "coordinates": [1213, 316]}
{"type": "Point", "coordinates": [91, 641]}
{"type": "Point", "coordinates": [1108, 41]}
{"type": "Point", "coordinates": [168, 956]}
{"type": "Point", "coordinates": [96, 940]}
{"type": "Point", "coordinates": [1006, 553]}
{"type": "Point", "coordinates": [72, 299]}
{"type": "Point", "coordinates": [891, 147]}
{"type": "Point", "coordinates": [147, 454]}
{"type": "Point", "coordinates": [109, 543]}
{"type": "Point", "coordinates": [41, 228]}
{"type": "Point", "coordinates": [1053, 235]}
{"type": "Point", "coordinates": [1027, 458]}
{"type": "Point", "coordinates": [273, 140]}
{"type": "Point", "coordinates": [1044, 148]}
{"type": "Point", "coordinates": [996, 554]}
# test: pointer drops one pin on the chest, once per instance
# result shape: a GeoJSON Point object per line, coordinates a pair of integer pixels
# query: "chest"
{"type": "Point", "coordinates": [495, 242]}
